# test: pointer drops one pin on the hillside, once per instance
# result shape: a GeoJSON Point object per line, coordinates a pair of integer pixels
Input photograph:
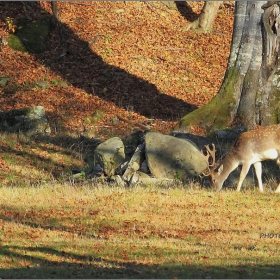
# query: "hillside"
{"type": "Point", "coordinates": [128, 59]}
{"type": "Point", "coordinates": [125, 64]}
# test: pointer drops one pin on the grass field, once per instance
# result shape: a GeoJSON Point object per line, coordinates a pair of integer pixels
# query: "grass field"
{"type": "Point", "coordinates": [94, 231]}
{"type": "Point", "coordinates": [53, 226]}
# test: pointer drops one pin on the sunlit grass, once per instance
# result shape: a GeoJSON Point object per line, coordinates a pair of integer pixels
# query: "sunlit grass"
{"type": "Point", "coordinates": [109, 231]}
{"type": "Point", "coordinates": [24, 161]}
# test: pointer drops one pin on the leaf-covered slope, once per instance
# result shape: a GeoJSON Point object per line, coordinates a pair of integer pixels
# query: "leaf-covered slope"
{"type": "Point", "coordinates": [128, 59]}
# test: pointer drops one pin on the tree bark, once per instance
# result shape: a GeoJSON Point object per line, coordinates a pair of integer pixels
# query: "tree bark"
{"type": "Point", "coordinates": [250, 92]}
{"type": "Point", "coordinates": [204, 23]}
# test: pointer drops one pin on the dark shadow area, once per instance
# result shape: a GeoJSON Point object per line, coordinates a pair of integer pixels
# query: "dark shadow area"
{"type": "Point", "coordinates": [75, 266]}
{"type": "Point", "coordinates": [186, 11]}
{"type": "Point", "coordinates": [54, 156]}
{"type": "Point", "coordinates": [44, 262]}
{"type": "Point", "coordinates": [45, 219]}
{"type": "Point", "coordinates": [84, 69]}
{"type": "Point", "coordinates": [56, 170]}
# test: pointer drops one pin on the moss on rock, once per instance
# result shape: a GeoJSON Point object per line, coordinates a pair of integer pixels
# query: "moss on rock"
{"type": "Point", "coordinates": [31, 36]}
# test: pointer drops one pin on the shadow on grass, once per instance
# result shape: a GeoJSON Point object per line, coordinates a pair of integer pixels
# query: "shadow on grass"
{"type": "Point", "coordinates": [45, 262]}
{"type": "Point", "coordinates": [55, 157]}
{"type": "Point", "coordinates": [86, 70]}
{"type": "Point", "coordinates": [61, 156]}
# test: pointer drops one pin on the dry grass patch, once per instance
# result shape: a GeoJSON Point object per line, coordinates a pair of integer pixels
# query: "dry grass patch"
{"type": "Point", "coordinates": [111, 232]}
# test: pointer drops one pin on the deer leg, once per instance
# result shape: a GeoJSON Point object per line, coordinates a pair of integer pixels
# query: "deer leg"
{"type": "Point", "coordinates": [244, 171]}
{"type": "Point", "coordinates": [258, 169]}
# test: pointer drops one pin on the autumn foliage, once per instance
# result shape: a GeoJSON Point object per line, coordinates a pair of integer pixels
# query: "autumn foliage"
{"type": "Point", "coordinates": [128, 59]}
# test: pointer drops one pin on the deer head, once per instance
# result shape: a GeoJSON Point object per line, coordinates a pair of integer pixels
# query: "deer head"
{"type": "Point", "coordinates": [250, 148]}
{"type": "Point", "coordinates": [213, 170]}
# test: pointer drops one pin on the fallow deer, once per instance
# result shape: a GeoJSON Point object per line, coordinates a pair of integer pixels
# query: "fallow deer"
{"type": "Point", "coordinates": [251, 147]}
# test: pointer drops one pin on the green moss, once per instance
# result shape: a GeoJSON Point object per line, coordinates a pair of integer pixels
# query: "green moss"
{"type": "Point", "coordinates": [15, 43]}
{"type": "Point", "coordinates": [31, 36]}
{"type": "Point", "coordinates": [218, 113]}
{"type": "Point", "coordinates": [275, 110]}
{"type": "Point", "coordinates": [229, 84]}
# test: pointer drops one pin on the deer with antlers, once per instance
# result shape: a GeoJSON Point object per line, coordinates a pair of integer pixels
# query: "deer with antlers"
{"type": "Point", "coordinates": [251, 147]}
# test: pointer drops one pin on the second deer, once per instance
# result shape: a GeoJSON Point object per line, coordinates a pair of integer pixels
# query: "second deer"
{"type": "Point", "coordinates": [251, 147]}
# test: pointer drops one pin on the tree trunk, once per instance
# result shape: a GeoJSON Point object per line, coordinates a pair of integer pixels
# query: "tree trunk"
{"type": "Point", "coordinates": [204, 23]}
{"type": "Point", "coordinates": [250, 92]}
{"type": "Point", "coordinates": [55, 10]}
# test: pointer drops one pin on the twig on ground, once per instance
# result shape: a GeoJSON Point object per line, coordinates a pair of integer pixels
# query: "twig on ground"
{"type": "Point", "coordinates": [133, 123]}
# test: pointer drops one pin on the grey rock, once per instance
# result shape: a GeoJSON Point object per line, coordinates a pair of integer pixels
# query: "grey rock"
{"type": "Point", "coordinates": [134, 163]}
{"type": "Point", "coordinates": [42, 84]}
{"type": "Point", "coordinates": [144, 167]}
{"type": "Point", "coordinates": [142, 179]}
{"type": "Point", "coordinates": [198, 140]}
{"type": "Point", "coordinates": [30, 121]}
{"type": "Point", "coordinates": [4, 81]}
{"type": "Point", "coordinates": [138, 177]}
{"type": "Point", "coordinates": [230, 134]}
{"type": "Point", "coordinates": [133, 140]}
{"type": "Point", "coordinates": [118, 180]}
{"type": "Point", "coordinates": [173, 158]}
{"type": "Point", "coordinates": [80, 175]}
{"type": "Point", "coordinates": [122, 168]}
{"type": "Point", "coordinates": [109, 155]}
{"type": "Point", "coordinates": [91, 143]}
{"type": "Point", "coordinates": [31, 35]}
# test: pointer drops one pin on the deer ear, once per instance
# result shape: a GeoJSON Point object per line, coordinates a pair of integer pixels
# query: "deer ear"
{"type": "Point", "coordinates": [220, 169]}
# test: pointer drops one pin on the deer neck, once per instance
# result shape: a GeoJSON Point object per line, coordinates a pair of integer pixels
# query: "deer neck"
{"type": "Point", "coordinates": [230, 162]}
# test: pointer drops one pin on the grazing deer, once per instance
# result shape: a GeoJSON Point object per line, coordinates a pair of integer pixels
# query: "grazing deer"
{"type": "Point", "coordinates": [251, 147]}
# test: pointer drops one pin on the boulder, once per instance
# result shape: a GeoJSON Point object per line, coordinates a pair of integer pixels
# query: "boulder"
{"type": "Point", "coordinates": [198, 140]}
{"type": "Point", "coordinates": [31, 35]}
{"type": "Point", "coordinates": [4, 81]}
{"type": "Point", "coordinates": [118, 180]}
{"type": "Point", "coordinates": [134, 163]}
{"type": "Point", "coordinates": [144, 167]}
{"type": "Point", "coordinates": [132, 141]}
{"type": "Point", "coordinates": [142, 179]}
{"type": "Point", "coordinates": [30, 121]}
{"type": "Point", "coordinates": [230, 134]}
{"type": "Point", "coordinates": [109, 155]}
{"type": "Point", "coordinates": [42, 84]}
{"type": "Point", "coordinates": [173, 158]}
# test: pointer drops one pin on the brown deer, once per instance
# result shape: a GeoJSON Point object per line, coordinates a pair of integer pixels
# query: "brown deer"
{"type": "Point", "coordinates": [251, 147]}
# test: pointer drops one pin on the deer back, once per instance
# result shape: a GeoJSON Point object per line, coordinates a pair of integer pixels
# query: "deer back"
{"type": "Point", "coordinates": [262, 143]}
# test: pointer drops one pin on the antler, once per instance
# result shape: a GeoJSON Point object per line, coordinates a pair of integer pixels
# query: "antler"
{"type": "Point", "coordinates": [210, 154]}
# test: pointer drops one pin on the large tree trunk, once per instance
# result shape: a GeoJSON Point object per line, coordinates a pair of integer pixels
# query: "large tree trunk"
{"type": "Point", "coordinates": [250, 92]}
{"type": "Point", "coordinates": [204, 23]}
